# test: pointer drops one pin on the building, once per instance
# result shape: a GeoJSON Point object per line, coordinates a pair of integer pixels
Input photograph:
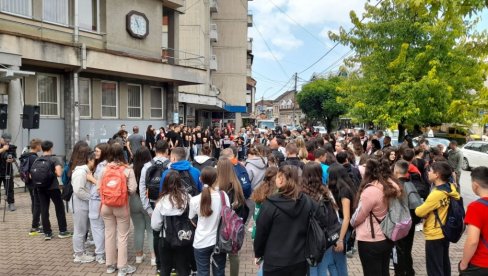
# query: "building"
{"type": "Point", "coordinates": [264, 110]}
{"type": "Point", "coordinates": [285, 109]}
{"type": "Point", "coordinates": [217, 31]}
{"type": "Point", "coordinates": [94, 65]}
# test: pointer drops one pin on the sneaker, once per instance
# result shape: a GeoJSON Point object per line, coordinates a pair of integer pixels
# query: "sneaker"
{"type": "Point", "coordinates": [48, 237]}
{"type": "Point", "coordinates": [11, 207]}
{"type": "Point", "coordinates": [34, 232]}
{"type": "Point", "coordinates": [419, 227]}
{"type": "Point", "coordinates": [83, 258]}
{"type": "Point", "coordinates": [100, 259]}
{"type": "Point", "coordinates": [153, 261]}
{"type": "Point", "coordinates": [349, 254]}
{"type": "Point", "coordinates": [126, 270]}
{"type": "Point", "coordinates": [111, 269]}
{"type": "Point", "coordinates": [140, 259]}
{"type": "Point", "coordinates": [65, 234]}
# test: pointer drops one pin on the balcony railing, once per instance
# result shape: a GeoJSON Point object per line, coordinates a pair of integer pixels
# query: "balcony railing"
{"type": "Point", "coordinates": [178, 57]}
{"type": "Point", "coordinates": [249, 44]}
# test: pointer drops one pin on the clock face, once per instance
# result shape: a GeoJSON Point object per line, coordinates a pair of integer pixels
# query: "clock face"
{"type": "Point", "coordinates": [137, 24]}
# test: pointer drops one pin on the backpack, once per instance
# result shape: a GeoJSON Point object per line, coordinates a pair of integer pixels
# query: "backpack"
{"type": "Point", "coordinates": [397, 222]}
{"type": "Point", "coordinates": [231, 232]}
{"type": "Point", "coordinates": [484, 202]}
{"type": "Point", "coordinates": [42, 172]}
{"type": "Point", "coordinates": [243, 177]}
{"type": "Point", "coordinates": [153, 178]}
{"type": "Point", "coordinates": [454, 227]}
{"type": "Point", "coordinates": [188, 182]}
{"type": "Point", "coordinates": [24, 168]}
{"type": "Point", "coordinates": [315, 242]}
{"type": "Point", "coordinates": [113, 186]}
{"type": "Point", "coordinates": [178, 230]}
{"type": "Point", "coordinates": [333, 226]}
{"type": "Point", "coordinates": [422, 187]}
{"type": "Point", "coordinates": [411, 195]}
{"type": "Point", "coordinates": [67, 187]}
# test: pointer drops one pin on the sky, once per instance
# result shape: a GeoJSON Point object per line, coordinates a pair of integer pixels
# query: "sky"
{"type": "Point", "coordinates": [290, 35]}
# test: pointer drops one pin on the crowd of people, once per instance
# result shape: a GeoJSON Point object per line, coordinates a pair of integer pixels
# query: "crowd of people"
{"type": "Point", "coordinates": [175, 184]}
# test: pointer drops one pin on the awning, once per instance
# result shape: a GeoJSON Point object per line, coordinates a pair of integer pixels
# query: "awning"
{"type": "Point", "coordinates": [236, 108]}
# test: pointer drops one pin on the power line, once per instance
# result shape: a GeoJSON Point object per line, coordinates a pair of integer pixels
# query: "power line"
{"type": "Point", "coordinates": [265, 77]}
{"type": "Point", "coordinates": [333, 47]}
{"type": "Point", "coordinates": [281, 89]}
{"type": "Point", "coordinates": [337, 61]}
{"type": "Point", "coordinates": [298, 24]}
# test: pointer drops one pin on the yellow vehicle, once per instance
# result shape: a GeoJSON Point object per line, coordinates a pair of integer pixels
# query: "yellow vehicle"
{"type": "Point", "coordinates": [459, 133]}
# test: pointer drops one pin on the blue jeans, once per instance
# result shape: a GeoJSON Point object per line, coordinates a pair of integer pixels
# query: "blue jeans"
{"type": "Point", "coordinates": [202, 257]}
{"type": "Point", "coordinates": [340, 259]}
{"type": "Point", "coordinates": [326, 265]}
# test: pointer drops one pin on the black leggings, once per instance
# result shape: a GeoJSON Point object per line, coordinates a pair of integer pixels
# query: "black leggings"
{"type": "Point", "coordinates": [299, 269]}
{"type": "Point", "coordinates": [375, 257]}
{"type": "Point", "coordinates": [179, 258]}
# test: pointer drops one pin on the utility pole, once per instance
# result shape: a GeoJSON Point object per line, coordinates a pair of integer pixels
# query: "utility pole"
{"type": "Point", "coordinates": [295, 99]}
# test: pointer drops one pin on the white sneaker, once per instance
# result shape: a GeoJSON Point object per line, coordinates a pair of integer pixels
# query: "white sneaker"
{"type": "Point", "coordinates": [153, 261]}
{"type": "Point", "coordinates": [126, 270]}
{"type": "Point", "coordinates": [139, 259]}
{"type": "Point", "coordinates": [83, 259]}
{"type": "Point", "coordinates": [111, 269]}
{"type": "Point", "coordinates": [100, 259]}
{"type": "Point", "coordinates": [419, 227]}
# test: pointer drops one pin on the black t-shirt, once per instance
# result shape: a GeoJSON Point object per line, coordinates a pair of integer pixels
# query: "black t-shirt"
{"type": "Point", "coordinates": [57, 162]}
{"type": "Point", "coordinates": [171, 136]}
{"type": "Point", "coordinates": [198, 138]}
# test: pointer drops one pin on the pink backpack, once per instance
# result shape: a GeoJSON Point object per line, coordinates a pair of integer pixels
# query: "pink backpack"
{"type": "Point", "coordinates": [231, 232]}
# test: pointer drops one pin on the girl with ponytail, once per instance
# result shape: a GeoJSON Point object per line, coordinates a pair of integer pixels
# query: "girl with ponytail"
{"type": "Point", "coordinates": [205, 210]}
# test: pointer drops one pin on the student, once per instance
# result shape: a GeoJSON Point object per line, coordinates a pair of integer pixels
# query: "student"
{"type": "Point", "coordinates": [173, 201]}
{"type": "Point", "coordinates": [52, 193]}
{"type": "Point", "coordinates": [81, 179]}
{"type": "Point", "coordinates": [117, 219]}
{"type": "Point", "coordinates": [475, 255]}
{"type": "Point", "coordinates": [436, 246]}
{"type": "Point", "coordinates": [140, 218]}
{"type": "Point", "coordinates": [321, 157]}
{"type": "Point", "coordinates": [34, 148]}
{"type": "Point", "coordinates": [97, 226]}
{"type": "Point", "coordinates": [281, 228]}
{"type": "Point", "coordinates": [377, 189]}
{"type": "Point", "coordinates": [205, 208]}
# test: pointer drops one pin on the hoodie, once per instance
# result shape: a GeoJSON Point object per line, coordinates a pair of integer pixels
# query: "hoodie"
{"type": "Point", "coordinates": [163, 208]}
{"type": "Point", "coordinates": [202, 161]}
{"type": "Point", "coordinates": [81, 187]}
{"type": "Point", "coordinates": [256, 169]}
{"type": "Point", "coordinates": [281, 230]}
{"type": "Point", "coordinates": [438, 199]}
{"type": "Point", "coordinates": [183, 165]}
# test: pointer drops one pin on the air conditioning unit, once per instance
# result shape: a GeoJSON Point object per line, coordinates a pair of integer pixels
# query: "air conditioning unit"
{"type": "Point", "coordinates": [214, 6]}
{"type": "Point", "coordinates": [214, 35]}
{"type": "Point", "coordinates": [213, 62]}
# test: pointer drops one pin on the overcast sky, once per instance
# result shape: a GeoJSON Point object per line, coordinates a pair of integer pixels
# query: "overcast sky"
{"type": "Point", "coordinates": [296, 31]}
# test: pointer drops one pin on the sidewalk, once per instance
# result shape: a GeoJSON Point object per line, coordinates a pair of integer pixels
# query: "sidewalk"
{"type": "Point", "coordinates": [24, 255]}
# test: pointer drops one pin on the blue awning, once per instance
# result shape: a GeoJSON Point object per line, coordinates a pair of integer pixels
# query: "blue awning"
{"type": "Point", "coordinates": [236, 108]}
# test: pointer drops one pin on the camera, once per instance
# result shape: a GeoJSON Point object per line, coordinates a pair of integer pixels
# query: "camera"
{"type": "Point", "coordinates": [11, 153]}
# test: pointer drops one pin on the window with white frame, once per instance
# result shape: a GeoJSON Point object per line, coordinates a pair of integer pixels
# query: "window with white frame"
{"type": "Point", "coordinates": [48, 94]}
{"type": "Point", "coordinates": [55, 11]}
{"type": "Point", "coordinates": [19, 7]}
{"type": "Point", "coordinates": [88, 14]}
{"type": "Point", "coordinates": [84, 93]}
{"type": "Point", "coordinates": [157, 102]}
{"type": "Point", "coordinates": [109, 99]}
{"type": "Point", "coordinates": [134, 101]}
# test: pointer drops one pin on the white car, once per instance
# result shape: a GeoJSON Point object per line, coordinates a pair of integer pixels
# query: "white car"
{"type": "Point", "coordinates": [475, 154]}
{"type": "Point", "coordinates": [320, 129]}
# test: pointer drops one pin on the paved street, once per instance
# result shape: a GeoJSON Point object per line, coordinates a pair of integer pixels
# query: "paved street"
{"type": "Point", "coordinates": [24, 255]}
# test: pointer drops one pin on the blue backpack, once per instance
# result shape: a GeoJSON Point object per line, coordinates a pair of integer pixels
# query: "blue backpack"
{"type": "Point", "coordinates": [454, 227]}
{"type": "Point", "coordinates": [484, 202]}
{"type": "Point", "coordinates": [243, 177]}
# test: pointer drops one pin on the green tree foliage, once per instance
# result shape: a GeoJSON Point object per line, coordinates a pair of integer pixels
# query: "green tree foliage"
{"type": "Point", "coordinates": [416, 62]}
{"type": "Point", "coordinates": [318, 100]}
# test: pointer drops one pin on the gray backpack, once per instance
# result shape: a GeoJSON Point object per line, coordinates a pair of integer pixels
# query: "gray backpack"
{"type": "Point", "coordinates": [397, 222]}
{"type": "Point", "coordinates": [412, 196]}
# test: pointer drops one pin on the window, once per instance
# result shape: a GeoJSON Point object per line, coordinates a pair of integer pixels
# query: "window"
{"type": "Point", "coordinates": [48, 94]}
{"type": "Point", "coordinates": [156, 102]}
{"type": "Point", "coordinates": [84, 97]}
{"type": "Point", "coordinates": [19, 7]}
{"type": "Point", "coordinates": [55, 11]}
{"type": "Point", "coordinates": [88, 15]}
{"type": "Point", "coordinates": [109, 99]}
{"type": "Point", "coordinates": [134, 101]}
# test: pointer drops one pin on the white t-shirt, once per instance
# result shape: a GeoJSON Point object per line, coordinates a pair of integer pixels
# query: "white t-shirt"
{"type": "Point", "coordinates": [206, 232]}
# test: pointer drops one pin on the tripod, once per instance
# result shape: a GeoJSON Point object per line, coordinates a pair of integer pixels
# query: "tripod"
{"type": "Point", "coordinates": [8, 182]}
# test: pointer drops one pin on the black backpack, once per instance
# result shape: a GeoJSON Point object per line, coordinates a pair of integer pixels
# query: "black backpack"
{"type": "Point", "coordinates": [333, 226]}
{"type": "Point", "coordinates": [454, 227]}
{"type": "Point", "coordinates": [423, 188]}
{"type": "Point", "coordinates": [42, 172]}
{"type": "Point", "coordinates": [67, 192]}
{"type": "Point", "coordinates": [25, 166]}
{"type": "Point", "coordinates": [188, 182]}
{"type": "Point", "coordinates": [315, 242]}
{"type": "Point", "coordinates": [178, 230]}
{"type": "Point", "coordinates": [153, 178]}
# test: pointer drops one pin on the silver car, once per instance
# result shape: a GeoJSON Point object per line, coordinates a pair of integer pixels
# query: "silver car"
{"type": "Point", "coordinates": [475, 154]}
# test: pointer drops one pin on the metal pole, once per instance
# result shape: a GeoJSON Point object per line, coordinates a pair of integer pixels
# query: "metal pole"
{"type": "Point", "coordinates": [295, 98]}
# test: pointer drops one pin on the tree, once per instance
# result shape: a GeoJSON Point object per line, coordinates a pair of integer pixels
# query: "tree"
{"type": "Point", "coordinates": [318, 100]}
{"type": "Point", "coordinates": [420, 62]}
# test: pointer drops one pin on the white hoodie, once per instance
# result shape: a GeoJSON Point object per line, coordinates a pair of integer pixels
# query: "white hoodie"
{"type": "Point", "coordinates": [163, 208]}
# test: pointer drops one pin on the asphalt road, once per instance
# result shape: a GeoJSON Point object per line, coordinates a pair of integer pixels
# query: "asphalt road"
{"type": "Point", "coordinates": [466, 190]}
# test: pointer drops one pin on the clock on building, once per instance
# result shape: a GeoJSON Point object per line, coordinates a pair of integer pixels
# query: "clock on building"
{"type": "Point", "coordinates": [137, 24]}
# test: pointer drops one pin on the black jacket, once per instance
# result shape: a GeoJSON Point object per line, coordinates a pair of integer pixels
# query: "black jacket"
{"type": "Point", "coordinates": [293, 161]}
{"type": "Point", "coordinates": [279, 156]}
{"type": "Point", "coordinates": [281, 230]}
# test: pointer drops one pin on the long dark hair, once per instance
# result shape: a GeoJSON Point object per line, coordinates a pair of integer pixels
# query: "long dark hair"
{"type": "Point", "coordinates": [117, 154]}
{"type": "Point", "coordinates": [291, 189]}
{"type": "Point", "coordinates": [379, 170]}
{"type": "Point", "coordinates": [340, 183]}
{"type": "Point", "coordinates": [78, 156]}
{"type": "Point", "coordinates": [208, 177]}
{"type": "Point", "coordinates": [142, 156]}
{"type": "Point", "coordinates": [228, 182]}
{"type": "Point", "coordinates": [311, 183]}
{"type": "Point", "coordinates": [174, 189]}
{"type": "Point", "coordinates": [266, 187]}
{"type": "Point", "coordinates": [105, 149]}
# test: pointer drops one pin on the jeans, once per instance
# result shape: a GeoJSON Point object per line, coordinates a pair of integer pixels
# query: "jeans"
{"type": "Point", "coordinates": [45, 197]}
{"type": "Point", "coordinates": [9, 188]}
{"type": "Point", "coordinates": [404, 265]}
{"type": "Point", "coordinates": [326, 265]}
{"type": "Point", "coordinates": [473, 270]}
{"type": "Point", "coordinates": [437, 257]}
{"type": "Point", "coordinates": [178, 258]}
{"type": "Point", "coordinates": [375, 257]}
{"type": "Point", "coordinates": [202, 257]}
{"type": "Point", "coordinates": [234, 264]}
{"type": "Point", "coordinates": [35, 207]}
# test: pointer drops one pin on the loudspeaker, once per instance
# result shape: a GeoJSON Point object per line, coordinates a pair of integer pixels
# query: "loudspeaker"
{"type": "Point", "coordinates": [3, 116]}
{"type": "Point", "coordinates": [30, 118]}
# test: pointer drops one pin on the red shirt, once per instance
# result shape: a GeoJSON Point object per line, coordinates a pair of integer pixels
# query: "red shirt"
{"type": "Point", "coordinates": [476, 216]}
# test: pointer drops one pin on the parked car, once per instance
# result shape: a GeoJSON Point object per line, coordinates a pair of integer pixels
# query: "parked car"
{"type": "Point", "coordinates": [320, 129]}
{"type": "Point", "coordinates": [433, 142]}
{"type": "Point", "coordinates": [460, 134]}
{"type": "Point", "coordinates": [475, 154]}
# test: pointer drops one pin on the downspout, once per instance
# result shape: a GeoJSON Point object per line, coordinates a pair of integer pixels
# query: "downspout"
{"type": "Point", "coordinates": [82, 56]}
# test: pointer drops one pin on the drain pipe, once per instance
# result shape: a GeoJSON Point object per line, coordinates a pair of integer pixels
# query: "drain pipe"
{"type": "Point", "coordinates": [75, 136]}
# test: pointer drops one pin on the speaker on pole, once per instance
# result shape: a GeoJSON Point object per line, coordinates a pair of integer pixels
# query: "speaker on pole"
{"type": "Point", "coordinates": [31, 116]}
{"type": "Point", "coordinates": [3, 116]}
